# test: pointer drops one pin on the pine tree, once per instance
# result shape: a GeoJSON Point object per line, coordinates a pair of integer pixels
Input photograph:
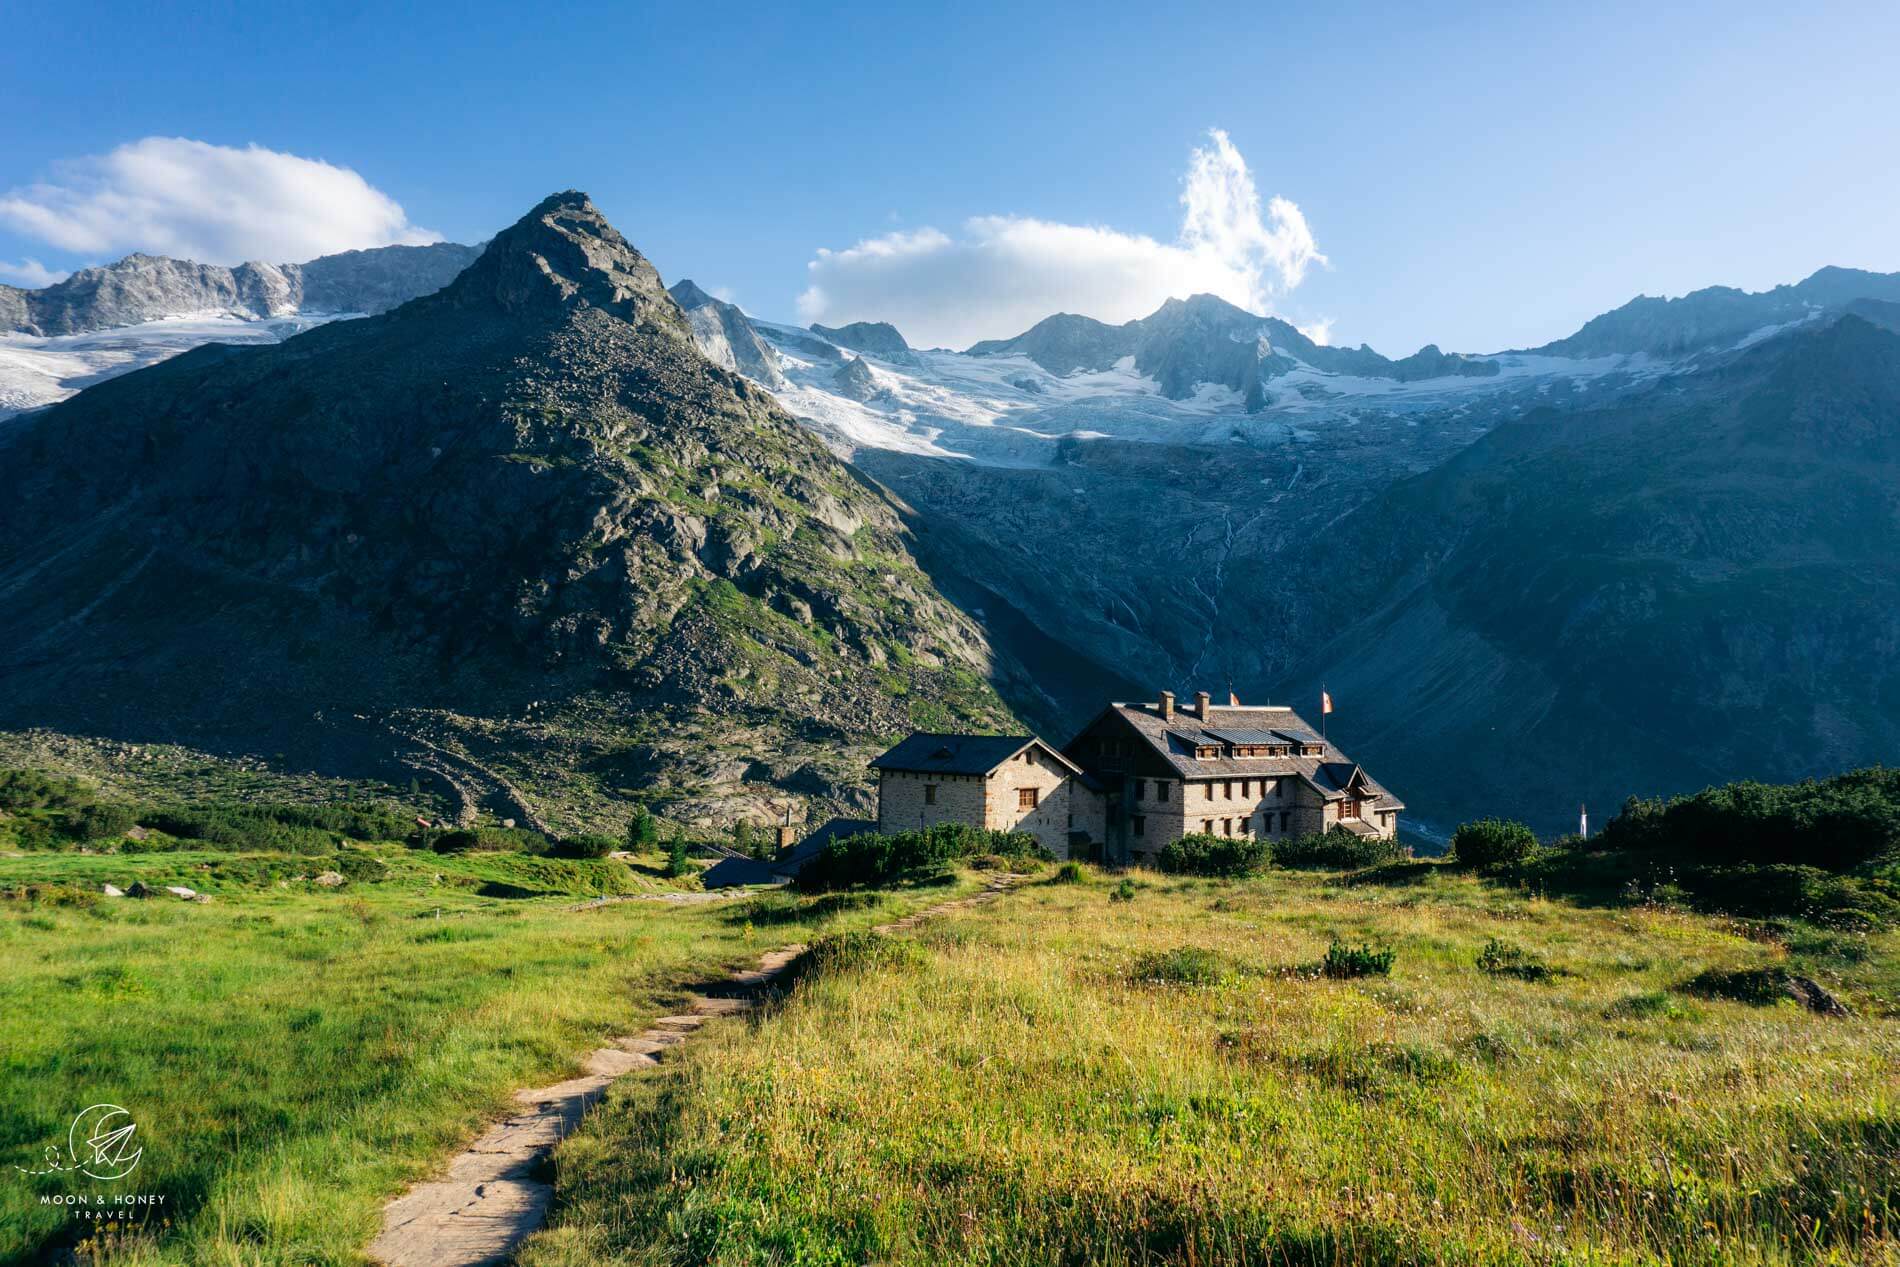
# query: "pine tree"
{"type": "Point", "coordinates": [641, 833]}
{"type": "Point", "coordinates": [676, 864]}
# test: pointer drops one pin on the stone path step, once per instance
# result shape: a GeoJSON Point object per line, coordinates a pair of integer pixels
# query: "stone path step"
{"type": "Point", "coordinates": [492, 1195]}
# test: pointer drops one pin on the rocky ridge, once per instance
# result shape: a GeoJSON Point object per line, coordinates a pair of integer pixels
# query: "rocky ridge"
{"type": "Point", "coordinates": [142, 288]}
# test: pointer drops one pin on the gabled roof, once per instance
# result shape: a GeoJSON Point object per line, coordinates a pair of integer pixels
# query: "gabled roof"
{"type": "Point", "coordinates": [928, 753]}
{"type": "Point", "coordinates": [1175, 739]}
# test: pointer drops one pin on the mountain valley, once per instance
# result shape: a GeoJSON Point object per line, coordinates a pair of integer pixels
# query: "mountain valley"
{"type": "Point", "coordinates": [1203, 498]}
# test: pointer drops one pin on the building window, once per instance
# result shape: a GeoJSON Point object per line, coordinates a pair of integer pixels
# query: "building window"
{"type": "Point", "coordinates": [1227, 790]}
{"type": "Point", "coordinates": [1349, 808]}
{"type": "Point", "coordinates": [930, 793]}
{"type": "Point", "coordinates": [1286, 816]}
{"type": "Point", "coordinates": [1208, 787]}
{"type": "Point", "coordinates": [1025, 798]}
{"type": "Point", "coordinates": [1141, 825]}
{"type": "Point", "coordinates": [1161, 791]}
{"type": "Point", "coordinates": [1207, 827]}
{"type": "Point", "coordinates": [1141, 789]}
{"type": "Point", "coordinates": [1226, 826]}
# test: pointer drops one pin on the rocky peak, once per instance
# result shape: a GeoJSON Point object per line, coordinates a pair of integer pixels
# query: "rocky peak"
{"type": "Point", "coordinates": [564, 255]}
{"type": "Point", "coordinates": [874, 338]}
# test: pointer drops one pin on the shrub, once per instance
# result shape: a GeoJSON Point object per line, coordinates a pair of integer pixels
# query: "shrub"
{"type": "Point", "coordinates": [1069, 873]}
{"type": "Point", "coordinates": [589, 846]}
{"type": "Point", "coordinates": [1501, 958]}
{"type": "Point", "coordinates": [858, 951]}
{"type": "Point", "coordinates": [1836, 823]}
{"type": "Point", "coordinates": [1184, 965]}
{"type": "Point", "coordinates": [489, 840]}
{"type": "Point", "coordinates": [1357, 961]}
{"type": "Point", "coordinates": [1492, 842]}
{"type": "Point", "coordinates": [1336, 849]}
{"type": "Point", "coordinates": [871, 858]}
{"type": "Point", "coordinates": [1206, 854]}
{"type": "Point", "coordinates": [1123, 892]}
{"type": "Point", "coordinates": [100, 821]}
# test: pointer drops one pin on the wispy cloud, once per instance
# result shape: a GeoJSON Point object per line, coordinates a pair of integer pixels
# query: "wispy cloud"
{"type": "Point", "coordinates": [210, 203]}
{"type": "Point", "coordinates": [29, 273]}
{"type": "Point", "coordinates": [1001, 274]}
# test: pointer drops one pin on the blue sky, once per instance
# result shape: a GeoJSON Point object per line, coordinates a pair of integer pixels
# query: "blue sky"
{"type": "Point", "coordinates": [1475, 176]}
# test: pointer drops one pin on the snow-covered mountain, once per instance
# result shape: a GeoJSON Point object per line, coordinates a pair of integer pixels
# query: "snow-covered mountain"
{"type": "Point", "coordinates": [123, 316]}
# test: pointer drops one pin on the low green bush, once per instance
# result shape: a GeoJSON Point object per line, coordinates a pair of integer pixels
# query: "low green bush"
{"type": "Point", "coordinates": [1183, 965]}
{"type": "Point", "coordinates": [1337, 849]}
{"type": "Point", "coordinates": [1069, 873]}
{"type": "Point", "coordinates": [1492, 842]}
{"type": "Point", "coordinates": [858, 951]}
{"type": "Point", "coordinates": [1501, 958]}
{"type": "Point", "coordinates": [589, 846]}
{"type": "Point", "coordinates": [1357, 961]}
{"type": "Point", "coordinates": [1123, 892]}
{"type": "Point", "coordinates": [872, 858]}
{"type": "Point", "coordinates": [489, 840]}
{"type": "Point", "coordinates": [1836, 824]}
{"type": "Point", "coordinates": [1203, 853]}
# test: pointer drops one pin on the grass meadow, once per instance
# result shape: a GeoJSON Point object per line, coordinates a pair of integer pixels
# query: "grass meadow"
{"type": "Point", "coordinates": [295, 1054]}
{"type": "Point", "coordinates": [1089, 1072]}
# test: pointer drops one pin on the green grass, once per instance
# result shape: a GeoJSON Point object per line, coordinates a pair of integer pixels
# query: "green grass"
{"type": "Point", "coordinates": [295, 1054]}
{"type": "Point", "coordinates": [1059, 1078]}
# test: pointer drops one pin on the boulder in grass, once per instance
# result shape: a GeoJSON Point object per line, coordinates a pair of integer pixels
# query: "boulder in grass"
{"type": "Point", "coordinates": [330, 879]}
{"type": "Point", "coordinates": [138, 889]}
{"type": "Point", "coordinates": [180, 891]}
{"type": "Point", "coordinates": [112, 890]}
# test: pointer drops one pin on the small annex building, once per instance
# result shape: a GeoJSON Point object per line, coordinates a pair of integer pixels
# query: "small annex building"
{"type": "Point", "coordinates": [998, 782]}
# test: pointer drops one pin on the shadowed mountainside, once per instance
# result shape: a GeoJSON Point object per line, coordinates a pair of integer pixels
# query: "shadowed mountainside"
{"type": "Point", "coordinates": [519, 533]}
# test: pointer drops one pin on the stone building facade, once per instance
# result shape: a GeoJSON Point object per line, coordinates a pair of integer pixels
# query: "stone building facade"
{"type": "Point", "coordinates": [1224, 769]}
{"type": "Point", "coordinates": [1000, 782]}
{"type": "Point", "coordinates": [1136, 777]}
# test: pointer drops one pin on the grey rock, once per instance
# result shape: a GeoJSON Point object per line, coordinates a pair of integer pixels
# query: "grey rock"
{"type": "Point", "coordinates": [873, 338]}
{"type": "Point", "coordinates": [141, 288]}
{"type": "Point", "coordinates": [112, 890]}
{"type": "Point", "coordinates": [854, 379]}
{"type": "Point", "coordinates": [1205, 339]}
{"type": "Point", "coordinates": [330, 879]}
{"type": "Point", "coordinates": [726, 337]}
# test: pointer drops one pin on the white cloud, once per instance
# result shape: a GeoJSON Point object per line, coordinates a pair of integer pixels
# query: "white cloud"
{"type": "Point", "coordinates": [210, 203]}
{"type": "Point", "coordinates": [30, 273]}
{"type": "Point", "coordinates": [1320, 331]}
{"type": "Point", "coordinates": [1002, 274]}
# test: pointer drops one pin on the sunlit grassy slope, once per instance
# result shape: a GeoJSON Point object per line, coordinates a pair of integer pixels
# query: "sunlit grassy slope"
{"type": "Point", "coordinates": [1065, 1078]}
{"type": "Point", "coordinates": [294, 1054]}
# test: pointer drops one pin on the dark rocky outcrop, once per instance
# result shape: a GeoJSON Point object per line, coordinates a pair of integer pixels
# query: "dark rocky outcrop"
{"type": "Point", "coordinates": [497, 533]}
{"type": "Point", "coordinates": [1716, 317]}
{"type": "Point", "coordinates": [1697, 583]}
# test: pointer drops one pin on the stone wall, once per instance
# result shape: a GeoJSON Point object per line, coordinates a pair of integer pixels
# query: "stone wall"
{"type": "Point", "coordinates": [902, 803]}
{"type": "Point", "coordinates": [1063, 805]}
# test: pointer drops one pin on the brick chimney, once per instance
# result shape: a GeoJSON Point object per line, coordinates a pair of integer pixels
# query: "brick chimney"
{"type": "Point", "coordinates": [1202, 703]}
{"type": "Point", "coordinates": [1167, 706]}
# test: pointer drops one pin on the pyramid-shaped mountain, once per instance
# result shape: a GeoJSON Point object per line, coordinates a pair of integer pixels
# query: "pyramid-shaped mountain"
{"type": "Point", "coordinates": [519, 532]}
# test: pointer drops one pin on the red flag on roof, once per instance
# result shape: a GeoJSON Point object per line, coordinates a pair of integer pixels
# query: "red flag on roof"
{"type": "Point", "coordinates": [1233, 699]}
